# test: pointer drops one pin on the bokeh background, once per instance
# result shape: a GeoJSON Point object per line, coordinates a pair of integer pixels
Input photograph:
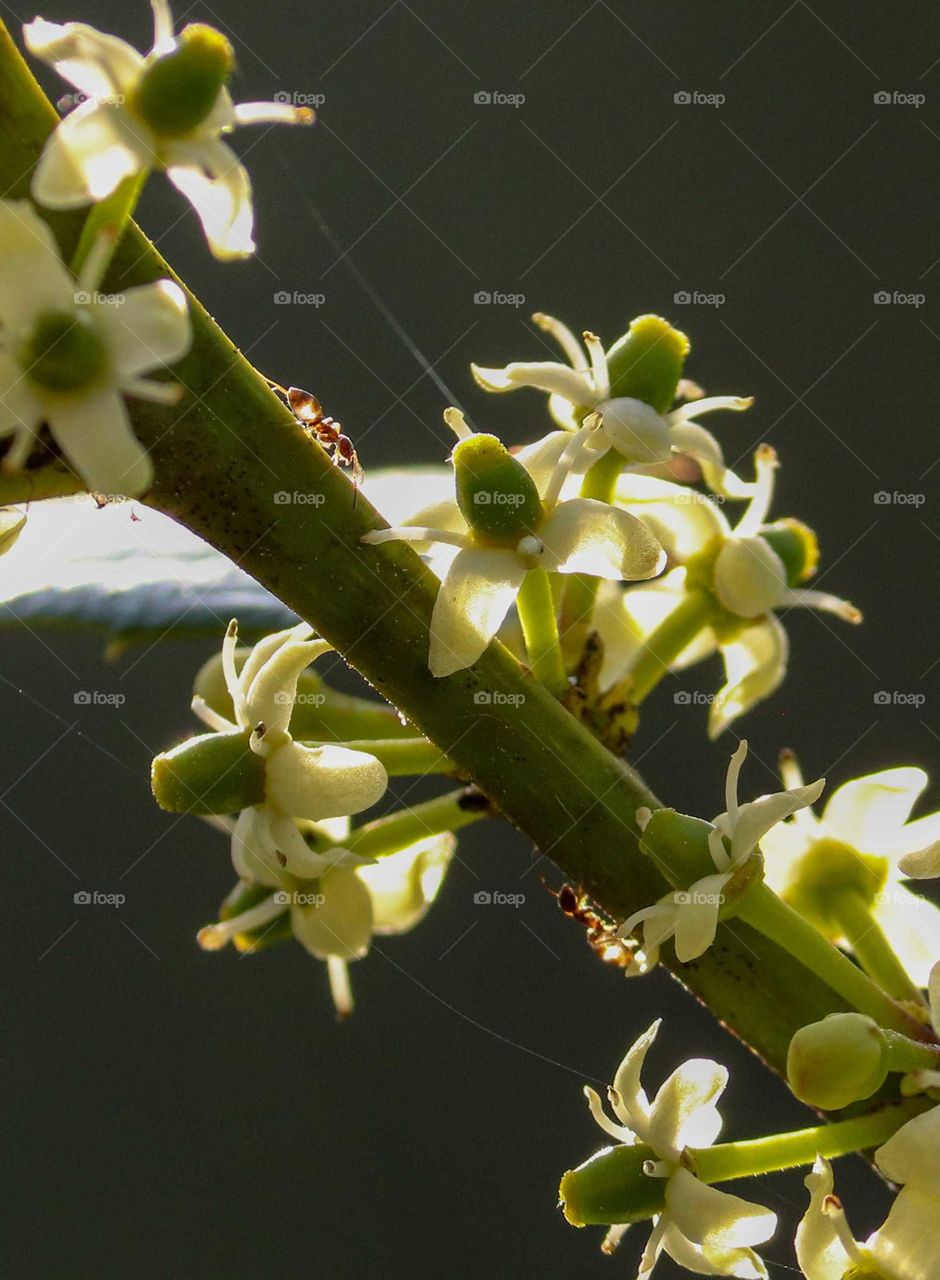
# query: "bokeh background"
{"type": "Point", "coordinates": [764, 175]}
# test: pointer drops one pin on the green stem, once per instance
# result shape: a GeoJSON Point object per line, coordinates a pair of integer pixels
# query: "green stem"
{"type": "Point", "coordinates": [388, 835]}
{"type": "Point", "coordinates": [600, 483]}
{"type": "Point", "coordinates": [112, 214]}
{"type": "Point", "coordinates": [763, 910]}
{"type": "Point", "coordinates": [870, 946]}
{"type": "Point", "coordinates": [536, 607]}
{"type": "Point", "coordinates": [405, 757]}
{"type": "Point", "coordinates": [667, 641]}
{"type": "Point", "coordinates": [906, 1055]}
{"type": "Point", "coordinates": [789, 1150]}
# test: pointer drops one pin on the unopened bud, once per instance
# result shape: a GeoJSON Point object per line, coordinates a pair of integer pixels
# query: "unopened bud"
{"type": "Point", "coordinates": [838, 1061]}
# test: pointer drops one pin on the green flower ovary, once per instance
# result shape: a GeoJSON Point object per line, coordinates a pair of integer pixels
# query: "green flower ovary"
{"type": "Point", "coordinates": [795, 543]}
{"type": "Point", "coordinates": [64, 353]}
{"type": "Point", "coordinates": [646, 363]}
{"type": "Point", "coordinates": [828, 869]}
{"type": "Point", "coordinates": [179, 88]}
{"type": "Point", "coordinates": [495, 493]}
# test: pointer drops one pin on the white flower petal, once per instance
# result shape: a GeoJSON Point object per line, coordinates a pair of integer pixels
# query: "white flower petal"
{"type": "Point", "coordinates": [749, 576]}
{"type": "Point", "coordinates": [586, 536]}
{"type": "Point", "coordinates": [912, 926]}
{"type": "Point", "coordinates": [98, 64]}
{"type": "Point", "coordinates": [323, 782]}
{"type": "Point", "coordinates": [557, 379]}
{"type": "Point", "coordinates": [713, 1218]}
{"type": "Point", "coordinates": [908, 1245]}
{"type": "Point", "coordinates": [216, 183]}
{"type": "Point", "coordinates": [912, 1155]}
{"type": "Point", "coordinates": [473, 599]}
{"type": "Point", "coordinates": [633, 1106]}
{"type": "Point", "coordinates": [404, 884]}
{"type": "Point", "coordinates": [270, 695]}
{"type": "Point", "coordinates": [869, 813]}
{"type": "Point", "coordinates": [697, 916]}
{"type": "Point", "coordinates": [933, 991]}
{"type": "Point", "coordinates": [684, 1111]}
{"type": "Point", "coordinates": [755, 819]}
{"type": "Point", "coordinates": [33, 277]}
{"type": "Point", "coordinates": [683, 520]}
{"type": "Point", "coordinates": [755, 665]}
{"type": "Point", "coordinates": [95, 435]}
{"type": "Point", "coordinates": [819, 1248]}
{"type": "Point", "coordinates": [342, 924]}
{"type": "Point", "coordinates": [743, 1263]}
{"type": "Point", "coordinates": [88, 155]}
{"type": "Point", "coordinates": [145, 328]}
{"type": "Point", "coordinates": [254, 852]}
{"type": "Point", "coordinates": [541, 457]}
{"type": "Point", "coordinates": [635, 430]}
{"type": "Point", "coordinates": [922, 864]}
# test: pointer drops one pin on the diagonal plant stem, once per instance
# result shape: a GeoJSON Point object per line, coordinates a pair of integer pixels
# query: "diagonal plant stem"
{"type": "Point", "coordinates": [223, 454]}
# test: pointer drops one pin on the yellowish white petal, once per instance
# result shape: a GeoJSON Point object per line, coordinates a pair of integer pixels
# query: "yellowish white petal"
{"type": "Point", "coordinates": [216, 183]}
{"type": "Point", "coordinates": [684, 1112]}
{"type": "Point", "coordinates": [89, 153]}
{"type": "Point", "coordinates": [94, 433]}
{"type": "Point", "coordinates": [869, 813]}
{"type": "Point", "coordinates": [322, 782]}
{"type": "Point", "coordinates": [755, 665]}
{"type": "Point", "coordinates": [340, 925]}
{"type": "Point", "coordinates": [145, 328]}
{"type": "Point", "coordinates": [586, 536]}
{"type": "Point", "coordinates": [473, 599]}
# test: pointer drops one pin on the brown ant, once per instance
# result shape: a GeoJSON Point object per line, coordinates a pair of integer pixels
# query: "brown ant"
{"type": "Point", "coordinates": [601, 934]}
{"type": "Point", "coordinates": [308, 411]}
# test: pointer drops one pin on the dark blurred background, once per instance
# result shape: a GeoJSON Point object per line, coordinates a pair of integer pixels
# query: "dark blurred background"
{"type": "Point", "coordinates": [172, 1113]}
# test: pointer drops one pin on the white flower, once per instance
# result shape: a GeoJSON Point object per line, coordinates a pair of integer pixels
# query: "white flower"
{"type": "Point", "coordinates": [165, 110]}
{"type": "Point", "coordinates": [860, 842]}
{"type": "Point", "coordinates": [907, 1246]}
{"type": "Point", "coordinates": [69, 354]}
{"type": "Point", "coordinates": [336, 914]}
{"type": "Point", "coordinates": [702, 1228]}
{"type": "Point", "coordinates": [644, 437]}
{"type": "Point", "coordinates": [746, 576]}
{"type": "Point", "coordinates": [690, 916]}
{"type": "Point", "coordinates": [301, 782]}
{"type": "Point", "coordinates": [579, 535]}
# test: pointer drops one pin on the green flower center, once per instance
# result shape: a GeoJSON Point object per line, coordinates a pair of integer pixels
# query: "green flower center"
{"type": "Point", "coordinates": [829, 869]}
{"type": "Point", "coordinates": [64, 353]}
{"type": "Point", "coordinates": [796, 545]}
{"type": "Point", "coordinates": [179, 89]}
{"type": "Point", "coordinates": [495, 493]}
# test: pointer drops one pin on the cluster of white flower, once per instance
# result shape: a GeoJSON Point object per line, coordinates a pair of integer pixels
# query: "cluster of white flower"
{"type": "Point", "coordinates": [293, 841]}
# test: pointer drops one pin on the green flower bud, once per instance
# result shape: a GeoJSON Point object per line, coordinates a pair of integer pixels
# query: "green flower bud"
{"type": "Point", "coordinates": [212, 773]}
{"type": "Point", "coordinates": [796, 545]}
{"type": "Point", "coordinates": [646, 363]}
{"type": "Point", "coordinates": [612, 1187]}
{"type": "Point", "coordinates": [179, 88]}
{"type": "Point", "coordinates": [838, 1061]}
{"type": "Point", "coordinates": [496, 495]}
{"type": "Point", "coordinates": [64, 353]}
